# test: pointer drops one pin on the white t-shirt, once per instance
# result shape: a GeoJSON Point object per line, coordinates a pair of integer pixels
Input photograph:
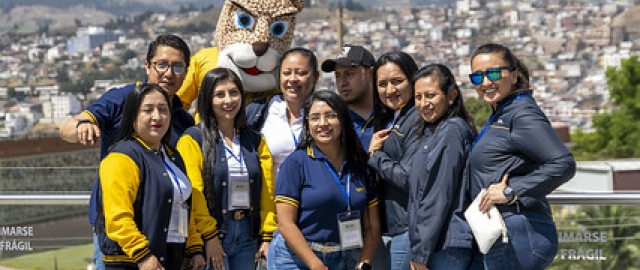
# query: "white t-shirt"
{"type": "Point", "coordinates": [281, 137]}
{"type": "Point", "coordinates": [181, 192]}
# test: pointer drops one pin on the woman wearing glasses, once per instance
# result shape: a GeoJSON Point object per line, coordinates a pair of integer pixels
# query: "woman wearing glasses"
{"type": "Point", "coordinates": [519, 159]}
{"type": "Point", "coordinates": [231, 164]}
{"type": "Point", "coordinates": [325, 199]}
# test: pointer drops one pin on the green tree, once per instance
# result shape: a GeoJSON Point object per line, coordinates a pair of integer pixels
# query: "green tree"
{"type": "Point", "coordinates": [63, 75]}
{"type": "Point", "coordinates": [618, 132]}
{"type": "Point", "coordinates": [12, 93]}
{"type": "Point", "coordinates": [128, 54]}
{"type": "Point", "coordinates": [624, 85]}
{"type": "Point", "coordinates": [479, 109]}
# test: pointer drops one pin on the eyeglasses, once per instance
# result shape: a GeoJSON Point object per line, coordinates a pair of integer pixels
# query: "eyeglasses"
{"type": "Point", "coordinates": [493, 74]}
{"type": "Point", "coordinates": [162, 67]}
{"type": "Point", "coordinates": [315, 118]}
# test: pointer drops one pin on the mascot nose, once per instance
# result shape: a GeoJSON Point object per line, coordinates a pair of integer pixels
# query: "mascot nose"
{"type": "Point", "coordinates": [260, 48]}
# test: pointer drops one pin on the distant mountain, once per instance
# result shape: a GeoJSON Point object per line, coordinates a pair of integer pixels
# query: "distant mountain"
{"type": "Point", "coordinates": [116, 7]}
{"type": "Point", "coordinates": [390, 3]}
{"type": "Point", "coordinates": [28, 16]}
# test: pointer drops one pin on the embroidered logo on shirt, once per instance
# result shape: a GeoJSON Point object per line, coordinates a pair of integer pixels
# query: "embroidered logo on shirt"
{"type": "Point", "coordinates": [500, 124]}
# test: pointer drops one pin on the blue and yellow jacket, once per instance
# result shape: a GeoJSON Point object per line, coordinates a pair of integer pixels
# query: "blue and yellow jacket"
{"type": "Point", "coordinates": [106, 112]}
{"type": "Point", "coordinates": [259, 163]}
{"type": "Point", "coordinates": [135, 207]}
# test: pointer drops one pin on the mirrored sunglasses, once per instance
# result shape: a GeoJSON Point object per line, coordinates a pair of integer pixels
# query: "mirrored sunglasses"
{"type": "Point", "coordinates": [493, 74]}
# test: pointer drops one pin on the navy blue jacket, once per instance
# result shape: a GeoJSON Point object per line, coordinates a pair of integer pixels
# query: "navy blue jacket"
{"type": "Point", "coordinates": [106, 112]}
{"type": "Point", "coordinates": [391, 164]}
{"type": "Point", "coordinates": [437, 198]}
{"type": "Point", "coordinates": [256, 113]}
{"type": "Point", "coordinates": [250, 143]}
{"type": "Point", "coordinates": [521, 142]}
{"type": "Point", "coordinates": [151, 207]}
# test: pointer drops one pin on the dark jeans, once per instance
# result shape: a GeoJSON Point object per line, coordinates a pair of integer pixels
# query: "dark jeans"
{"type": "Point", "coordinates": [533, 243]}
{"type": "Point", "coordinates": [173, 261]}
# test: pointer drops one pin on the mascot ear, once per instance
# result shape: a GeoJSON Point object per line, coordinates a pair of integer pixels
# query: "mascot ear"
{"type": "Point", "coordinates": [299, 4]}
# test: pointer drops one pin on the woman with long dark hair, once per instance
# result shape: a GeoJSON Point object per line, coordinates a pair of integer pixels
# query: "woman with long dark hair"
{"type": "Point", "coordinates": [391, 147]}
{"type": "Point", "coordinates": [144, 216]}
{"type": "Point", "coordinates": [232, 165]}
{"type": "Point", "coordinates": [518, 159]}
{"type": "Point", "coordinates": [325, 196]}
{"type": "Point", "coordinates": [438, 197]}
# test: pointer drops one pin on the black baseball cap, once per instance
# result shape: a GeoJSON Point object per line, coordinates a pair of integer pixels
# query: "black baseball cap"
{"type": "Point", "coordinates": [351, 55]}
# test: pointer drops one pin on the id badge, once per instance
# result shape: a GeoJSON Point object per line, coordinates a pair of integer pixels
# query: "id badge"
{"type": "Point", "coordinates": [350, 230]}
{"type": "Point", "coordinates": [240, 195]}
{"type": "Point", "coordinates": [183, 221]}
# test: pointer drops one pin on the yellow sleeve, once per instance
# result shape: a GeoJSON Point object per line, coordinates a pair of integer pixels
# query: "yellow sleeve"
{"type": "Point", "coordinates": [119, 182]}
{"type": "Point", "coordinates": [200, 63]}
{"type": "Point", "coordinates": [189, 149]}
{"type": "Point", "coordinates": [267, 200]}
{"type": "Point", "coordinates": [191, 154]}
{"type": "Point", "coordinates": [194, 243]}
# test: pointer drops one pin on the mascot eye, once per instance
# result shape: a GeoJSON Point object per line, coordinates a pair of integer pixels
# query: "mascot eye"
{"type": "Point", "coordinates": [243, 20]}
{"type": "Point", "coordinates": [278, 29]}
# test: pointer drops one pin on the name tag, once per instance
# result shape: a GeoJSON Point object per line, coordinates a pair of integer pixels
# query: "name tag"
{"type": "Point", "coordinates": [183, 221]}
{"type": "Point", "coordinates": [350, 230]}
{"type": "Point", "coordinates": [239, 197]}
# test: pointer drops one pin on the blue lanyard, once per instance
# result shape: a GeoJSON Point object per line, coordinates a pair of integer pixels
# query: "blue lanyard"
{"type": "Point", "coordinates": [347, 194]}
{"type": "Point", "coordinates": [295, 138]}
{"type": "Point", "coordinates": [175, 177]}
{"type": "Point", "coordinates": [493, 117]}
{"type": "Point", "coordinates": [237, 158]}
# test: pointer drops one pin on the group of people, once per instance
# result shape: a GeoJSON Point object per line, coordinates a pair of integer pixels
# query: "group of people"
{"type": "Point", "coordinates": [375, 174]}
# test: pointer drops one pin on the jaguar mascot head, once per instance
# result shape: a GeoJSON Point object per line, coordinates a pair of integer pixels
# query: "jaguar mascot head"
{"type": "Point", "coordinates": [250, 37]}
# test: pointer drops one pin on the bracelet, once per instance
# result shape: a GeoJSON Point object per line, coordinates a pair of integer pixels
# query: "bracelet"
{"type": "Point", "coordinates": [82, 121]}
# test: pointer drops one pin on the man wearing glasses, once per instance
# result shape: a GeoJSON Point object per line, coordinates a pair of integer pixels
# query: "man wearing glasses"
{"type": "Point", "coordinates": [166, 64]}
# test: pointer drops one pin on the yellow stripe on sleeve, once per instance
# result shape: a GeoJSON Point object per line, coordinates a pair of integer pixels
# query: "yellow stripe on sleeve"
{"type": "Point", "coordinates": [287, 200]}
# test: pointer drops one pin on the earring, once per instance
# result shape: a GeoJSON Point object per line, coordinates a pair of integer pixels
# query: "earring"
{"type": "Point", "coordinates": [450, 102]}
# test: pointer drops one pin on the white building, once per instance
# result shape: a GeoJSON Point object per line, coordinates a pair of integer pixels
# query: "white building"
{"type": "Point", "coordinates": [20, 118]}
{"type": "Point", "coordinates": [614, 58]}
{"type": "Point", "coordinates": [462, 7]}
{"type": "Point", "coordinates": [63, 106]}
{"type": "Point", "coordinates": [604, 176]}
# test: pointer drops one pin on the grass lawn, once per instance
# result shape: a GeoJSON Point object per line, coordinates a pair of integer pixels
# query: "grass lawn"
{"type": "Point", "coordinates": [70, 258]}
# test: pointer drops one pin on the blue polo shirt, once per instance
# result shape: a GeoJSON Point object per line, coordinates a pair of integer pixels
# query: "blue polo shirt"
{"type": "Point", "coordinates": [106, 112]}
{"type": "Point", "coordinates": [305, 182]}
{"type": "Point", "coordinates": [364, 128]}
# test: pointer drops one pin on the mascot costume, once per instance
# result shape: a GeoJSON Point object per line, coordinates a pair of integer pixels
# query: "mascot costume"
{"type": "Point", "coordinates": [250, 37]}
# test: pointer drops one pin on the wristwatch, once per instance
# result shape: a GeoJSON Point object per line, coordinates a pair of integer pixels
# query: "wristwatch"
{"type": "Point", "coordinates": [509, 194]}
{"type": "Point", "coordinates": [364, 266]}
